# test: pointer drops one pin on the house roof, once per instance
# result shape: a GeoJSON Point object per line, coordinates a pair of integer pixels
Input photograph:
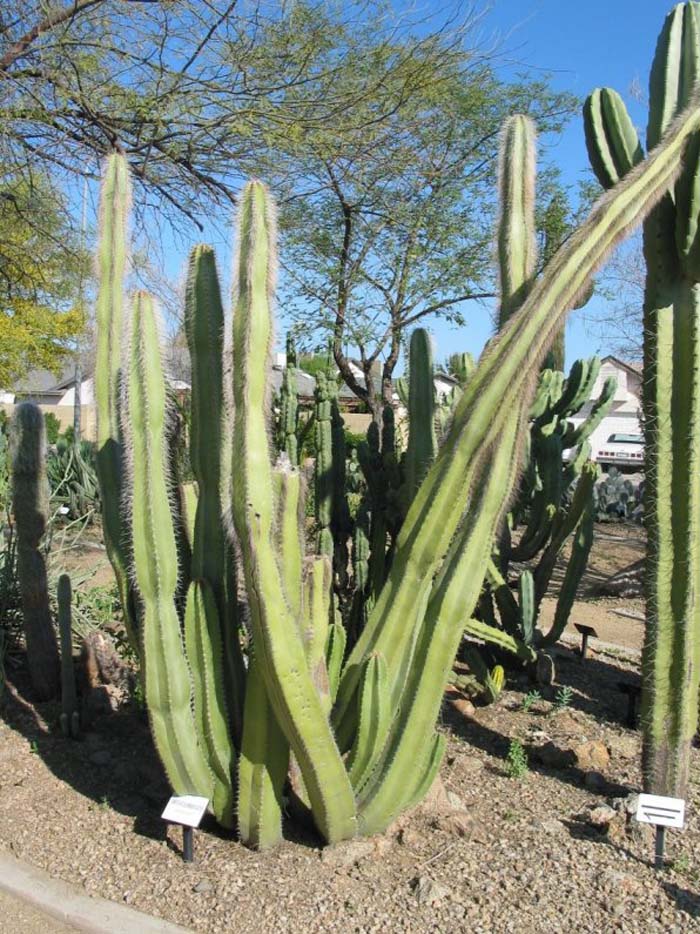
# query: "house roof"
{"type": "Point", "coordinates": [632, 366]}
{"type": "Point", "coordinates": [44, 382]}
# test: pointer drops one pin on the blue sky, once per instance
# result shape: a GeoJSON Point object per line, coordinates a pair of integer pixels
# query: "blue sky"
{"type": "Point", "coordinates": [582, 46]}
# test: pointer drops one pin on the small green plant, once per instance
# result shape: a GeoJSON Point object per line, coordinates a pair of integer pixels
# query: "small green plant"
{"type": "Point", "coordinates": [104, 803]}
{"type": "Point", "coordinates": [516, 760]}
{"type": "Point", "coordinates": [33, 748]}
{"type": "Point", "coordinates": [563, 698]}
{"type": "Point", "coordinates": [53, 427]}
{"type": "Point", "coordinates": [531, 698]}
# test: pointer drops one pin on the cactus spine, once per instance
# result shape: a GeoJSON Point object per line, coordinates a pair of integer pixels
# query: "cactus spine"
{"type": "Point", "coordinates": [70, 717]}
{"type": "Point", "coordinates": [30, 505]}
{"type": "Point", "coordinates": [671, 402]}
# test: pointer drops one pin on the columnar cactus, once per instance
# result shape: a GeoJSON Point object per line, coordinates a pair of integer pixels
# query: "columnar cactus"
{"type": "Point", "coordinates": [112, 259]}
{"type": "Point", "coordinates": [30, 506]}
{"type": "Point", "coordinates": [358, 761]}
{"type": "Point", "coordinates": [671, 401]}
{"type": "Point", "coordinates": [422, 439]}
{"type": "Point", "coordinates": [70, 716]}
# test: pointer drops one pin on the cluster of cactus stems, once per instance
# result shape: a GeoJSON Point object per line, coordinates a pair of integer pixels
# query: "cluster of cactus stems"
{"type": "Point", "coordinates": [350, 733]}
{"type": "Point", "coordinates": [671, 397]}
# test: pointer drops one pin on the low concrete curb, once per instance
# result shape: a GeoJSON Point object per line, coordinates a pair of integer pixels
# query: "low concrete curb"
{"type": "Point", "coordinates": [81, 911]}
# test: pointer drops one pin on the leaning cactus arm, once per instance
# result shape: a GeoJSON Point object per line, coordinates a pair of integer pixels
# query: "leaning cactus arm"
{"type": "Point", "coordinates": [278, 643]}
{"type": "Point", "coordinates": [505, 373]}
{"type": "Point", "coordinates": [205, 660]}
{"type": "Point", "coordinates": [318, 580]}
{"type": "Point", "coordinates": [262, 767]}
{"type": "Point", "coordinates": [112, 254]}
{"type": "Point", "coordinates": [167, 678]}
{"type": "Point", "coordinates": [204, 323]}
{"type": "Point", "coordinates": [456, 590]}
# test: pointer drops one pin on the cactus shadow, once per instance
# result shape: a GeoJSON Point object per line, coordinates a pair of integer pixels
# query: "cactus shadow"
{"type": "Point", "coordinates": [113, 763]}
{"type": "Point", "coordinates": [686, 901]}
{"type": "Point", "coordinates": [595, 682]}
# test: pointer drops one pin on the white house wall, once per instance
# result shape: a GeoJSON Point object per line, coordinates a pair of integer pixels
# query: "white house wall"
{"type": "Point", "coordinates": [87, 395]}
{"type": "Point", "coordinates": [623, 417]}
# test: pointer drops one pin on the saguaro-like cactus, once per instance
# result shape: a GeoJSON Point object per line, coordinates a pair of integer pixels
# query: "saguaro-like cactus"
{"type": "Point", "coordinates": [30, 505]}
{"type": "Point", "coordinates": [671, 658]}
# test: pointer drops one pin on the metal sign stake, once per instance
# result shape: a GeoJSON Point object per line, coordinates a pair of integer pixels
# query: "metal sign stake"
{"type": "Point", "coordinates": [660, 846]}
{"type": "Point", "coordinates": [188, 844]}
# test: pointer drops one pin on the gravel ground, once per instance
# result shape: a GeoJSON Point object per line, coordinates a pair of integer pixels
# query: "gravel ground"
{"type": "Point", "coordinates": [552, 851]}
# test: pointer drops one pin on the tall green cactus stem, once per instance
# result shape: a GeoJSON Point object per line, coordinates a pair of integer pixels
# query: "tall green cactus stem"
{"type": "Point", "coordinates": [505, 375]}
{"type": "Point", "coordinates": [70, 717]}
{"type": "Point", "coordinates": [205, 660]}
{"type": "Point", "coordinates": [323, 469]}
{"type": "Point", "coordinates": [277, 642]}
{"type": "Point", "coordinates": [204, 327]}
{"type": "Point", "coordinates": [422, 440]}
{"type": "Point", "coordinates": [671, 403]}
{"type": "Point", "coordinates": [112, 257]}
{"type": "Point", "coordinates": [167, 677]}
{"type": "Point", "coordinates": [289, 415]}
{"type": "Point", "coordinates": [30, 506]}
{"type": "Point", "coordinates": [517, 243]}
{"type": "Point", "coordinates": [262, 767]}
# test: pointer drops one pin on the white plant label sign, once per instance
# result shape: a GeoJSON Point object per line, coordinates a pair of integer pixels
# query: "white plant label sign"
{"type": "Point", "coordinates": [657, 809]}
{"type": "Point", "coordinates": [185, 809]}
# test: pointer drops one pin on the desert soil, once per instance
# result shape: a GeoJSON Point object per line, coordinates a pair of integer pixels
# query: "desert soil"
{"type": "Point", "coordinates": [554, 850]}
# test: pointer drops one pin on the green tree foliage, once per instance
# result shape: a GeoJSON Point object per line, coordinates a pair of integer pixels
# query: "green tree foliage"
{"type": "Point", "coordinates": [40, 268]}
{"type": "Point", "coordinates": [390, 223]}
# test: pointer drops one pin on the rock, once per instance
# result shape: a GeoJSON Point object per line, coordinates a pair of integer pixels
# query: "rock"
{"type": "Point", "coordinates": [464, 707]}
{"type": "Point", "coordinates": [549, 826]}
{"type": "Point", "coordinates": [98, 701]}
{"type": "Point", "coordinates": [618, 882]}
{"type": "Point", "coordinates": [592, 755]}
{"type": "Point", "coordinates": [101, 757]}
{"type": "Point", "coordinates": [456, 823]}
{"type": "Point", "coordinates": [202, 886]}
{"type": "Point", "coordinates": [456, 803]}
{"type": "Point", "coordinates": [100, 664]}
{"type": "Point", "coordinates": [545, 672]}
{"type": "Point", "coordinates": [624, 747]}
{"type": "Point", "coordinates": [429, 892]}
{"type": "Point", "coordinates": [436, 801]}
{"type": "Point", "coordinates": [601, 816]}
{"type": "Point", "coordinates": [408, 837]}
{"type": "Point", "coordinates": [594, 781]}
{"type": "Point", "coordinates": [345, 855]}
{"type": "Point", "coordinates": [554, 757]}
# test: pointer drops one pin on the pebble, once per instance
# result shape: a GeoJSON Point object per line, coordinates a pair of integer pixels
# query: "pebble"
{"type": "Point", "coordinates": [429, 892]}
